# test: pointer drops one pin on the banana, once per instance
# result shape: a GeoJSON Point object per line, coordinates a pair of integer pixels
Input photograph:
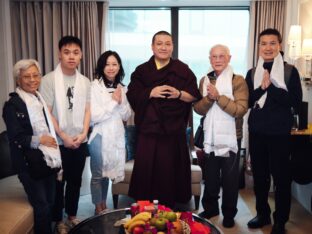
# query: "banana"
{"type": "Point", "coordinates": [127, 224]}
{"type": "Point", "coordinates": [144, 216]}
{"type": "Point", "coordinates": [135, 224]}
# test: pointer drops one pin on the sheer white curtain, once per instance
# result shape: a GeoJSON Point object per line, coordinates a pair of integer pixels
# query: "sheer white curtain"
{"type": "Point", "coordinates": [38, 26]}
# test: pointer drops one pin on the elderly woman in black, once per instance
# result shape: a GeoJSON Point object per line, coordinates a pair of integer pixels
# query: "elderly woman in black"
{"type": "Point", "coordinates": [31, 132]}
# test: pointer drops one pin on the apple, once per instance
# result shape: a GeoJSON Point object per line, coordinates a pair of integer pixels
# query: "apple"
{"type": "Point", "coordinates": [138, 230]}
{"type": "Point", "coordinates": [171, 216]}
{"type": "Point", "coordinates": [153, 221]}
{"type": "Point", "coordinates": [161, 214]}
{"type": "Point", "coordinates": [161, 224]}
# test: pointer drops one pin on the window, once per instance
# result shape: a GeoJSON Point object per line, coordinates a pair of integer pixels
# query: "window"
{"type": "Point", "coordinates": [199, 30]}
{"type": "Point", "coordinates": [131, 32]}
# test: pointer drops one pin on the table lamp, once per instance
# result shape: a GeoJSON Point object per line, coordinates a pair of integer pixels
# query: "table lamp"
{"type": "Point", "coordinates": [307, 53]}
{"type": "Point", "coordinates": [294, 41]}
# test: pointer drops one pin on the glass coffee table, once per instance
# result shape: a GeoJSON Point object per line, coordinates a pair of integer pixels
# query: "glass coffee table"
{"type": "Point", "coordinates": [104, 223]}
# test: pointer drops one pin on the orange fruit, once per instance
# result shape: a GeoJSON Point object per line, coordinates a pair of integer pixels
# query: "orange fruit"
{"type": "Point", "coordinates": [177, 227]}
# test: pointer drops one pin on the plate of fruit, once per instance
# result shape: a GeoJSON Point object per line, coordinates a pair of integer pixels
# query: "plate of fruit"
{"type": "Point", "coordinates": [163, 221]}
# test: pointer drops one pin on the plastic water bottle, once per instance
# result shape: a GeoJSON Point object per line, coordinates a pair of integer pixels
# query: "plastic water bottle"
{"type": "Point", "coordinates": [155, 202]}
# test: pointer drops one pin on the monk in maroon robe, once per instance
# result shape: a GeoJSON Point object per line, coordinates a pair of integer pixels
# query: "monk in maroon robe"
{"type": "Point", "coordinates": [161, 93]}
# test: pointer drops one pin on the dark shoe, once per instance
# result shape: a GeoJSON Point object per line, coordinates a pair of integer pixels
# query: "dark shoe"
{"type": "Point", "coordinates": [278, 228]}
{"type": "Point", "coordinates": [228, 222]}
{"type": "Point", "coordinates": [208, 215]}
{"type": "Point", "coordinates": [259, 222]}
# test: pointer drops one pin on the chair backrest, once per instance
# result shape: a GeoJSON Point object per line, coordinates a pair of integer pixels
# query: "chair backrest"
{"type": "Point", "coordinates": [5, 157]}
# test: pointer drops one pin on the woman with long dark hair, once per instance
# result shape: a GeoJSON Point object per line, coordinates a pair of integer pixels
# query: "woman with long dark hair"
{"type": "Point", "coordinates": [109, 108]}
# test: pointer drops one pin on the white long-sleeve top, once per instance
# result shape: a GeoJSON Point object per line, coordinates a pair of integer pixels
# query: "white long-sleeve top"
{"type": "Point", "coordinates": [107, 118]}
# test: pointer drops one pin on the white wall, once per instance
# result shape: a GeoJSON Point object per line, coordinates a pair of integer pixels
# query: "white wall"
{"type": "Point", "coordinates": [300, 12]}
{"type": "Point", "coordinates": [305, 19]}
{"type": "Point", "coordinates": [303, 192]}
{"type": "Point", "coordinates": [6, 80]}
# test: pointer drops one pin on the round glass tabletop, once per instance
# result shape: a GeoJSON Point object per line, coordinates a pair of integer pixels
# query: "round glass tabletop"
{"type": "Point", "coordinates": [104, 223]}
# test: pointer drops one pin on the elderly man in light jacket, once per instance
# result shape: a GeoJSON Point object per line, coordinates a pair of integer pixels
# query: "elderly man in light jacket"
{"type": "Point", "coordinates": [224, 103]}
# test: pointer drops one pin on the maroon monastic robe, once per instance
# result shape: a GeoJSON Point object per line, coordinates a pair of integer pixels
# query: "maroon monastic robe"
{"type": "Point", "coordinates": [162, 168]}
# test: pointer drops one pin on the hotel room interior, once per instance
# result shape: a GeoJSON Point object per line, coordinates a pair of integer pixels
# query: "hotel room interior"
{"type": "Point", "coordinates": [31, 29]}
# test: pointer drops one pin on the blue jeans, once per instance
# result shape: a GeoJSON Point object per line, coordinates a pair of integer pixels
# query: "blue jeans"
{"type": "Point", "coordinates": [41, 195]}
{"type": "Point", "coordinates": [99, 184]}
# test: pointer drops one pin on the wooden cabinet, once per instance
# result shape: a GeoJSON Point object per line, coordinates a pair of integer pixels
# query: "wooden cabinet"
{"type": "Point", "coordinates": [301, 155]}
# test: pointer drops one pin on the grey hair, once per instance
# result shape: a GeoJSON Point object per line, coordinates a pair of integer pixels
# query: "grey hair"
{"type": "Point", "coordinates": [227, 50]}
{"type": "Point", "coordinates": [22, 65]}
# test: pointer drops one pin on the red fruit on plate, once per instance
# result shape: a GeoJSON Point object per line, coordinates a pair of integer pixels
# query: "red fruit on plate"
{"type": "Point", "coordinates": [138, 230]}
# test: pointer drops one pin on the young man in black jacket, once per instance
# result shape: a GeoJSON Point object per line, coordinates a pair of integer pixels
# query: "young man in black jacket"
{"type": "Point", "coordinates": [275, 95]}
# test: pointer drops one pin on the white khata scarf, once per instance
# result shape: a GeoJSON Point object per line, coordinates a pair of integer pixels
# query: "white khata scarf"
{"type": "Point", "coordinates": [113, 154]}
{"type": "Point", "coordinates": [219, 126]}
{"type": "Point", "coordinates": [79, 100]}
{"type": "Point", "coordinates": [35, 104]}
{"type": "Point", "coordinates": [276, 76]}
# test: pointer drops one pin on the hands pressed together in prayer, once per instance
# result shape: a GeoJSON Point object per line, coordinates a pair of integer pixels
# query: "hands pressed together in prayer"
{"type": "Point", "coordinates": [117, 94]}
{"type": "Point", "coordinates": [212, 92]}
{"type": "Point", "coordinates": [165, 91]}
{"type": "Point", "coordinates": [266, 80]}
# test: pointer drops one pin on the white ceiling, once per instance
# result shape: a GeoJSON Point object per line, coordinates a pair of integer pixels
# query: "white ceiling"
{"type": "Point", "coordinates": [167, 3]}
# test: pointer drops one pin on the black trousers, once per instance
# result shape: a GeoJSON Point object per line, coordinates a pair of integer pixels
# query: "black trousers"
{"type": "Point", "coordinates": [221, 172]}
{"type": "Point", "coordinates": [270, 155]}
{"type": "Point", "coordinates": [40, 194]}
{"type": "Point", "coordinates": [73, 162]}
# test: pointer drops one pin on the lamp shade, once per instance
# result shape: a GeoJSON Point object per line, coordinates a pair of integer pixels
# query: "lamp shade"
{"type": "Point", "coordinates": [307, 47]}
{"type": "Point", "coordinates": [294, 34]}
{"type": "Point", "coordinates": [294, 41]}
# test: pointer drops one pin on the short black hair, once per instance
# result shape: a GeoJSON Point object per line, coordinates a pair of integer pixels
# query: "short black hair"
{"type": "Point", "coordinates": [271, 31]}
{"type": "Point", "coordinates": [101, 63]}
{"type": "Point", "coordinates": [69, 40]}
{"type": "Point", "coordinates": [160, 33]}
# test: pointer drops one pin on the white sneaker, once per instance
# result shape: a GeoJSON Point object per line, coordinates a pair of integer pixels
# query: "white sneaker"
{"type": "Point", "coordinates": [61, 228]}
{"type": "Point", "coordinates": [72, 223]}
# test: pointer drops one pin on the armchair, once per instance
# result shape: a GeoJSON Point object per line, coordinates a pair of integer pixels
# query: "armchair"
{"type": "Point", "coordinates": [122, 188]}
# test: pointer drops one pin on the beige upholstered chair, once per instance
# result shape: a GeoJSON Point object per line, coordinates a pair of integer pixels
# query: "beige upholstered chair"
{"type": "Point", "coordinates": [16, 213]}
{"type": "Point", "coordinates": [123, 187]}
